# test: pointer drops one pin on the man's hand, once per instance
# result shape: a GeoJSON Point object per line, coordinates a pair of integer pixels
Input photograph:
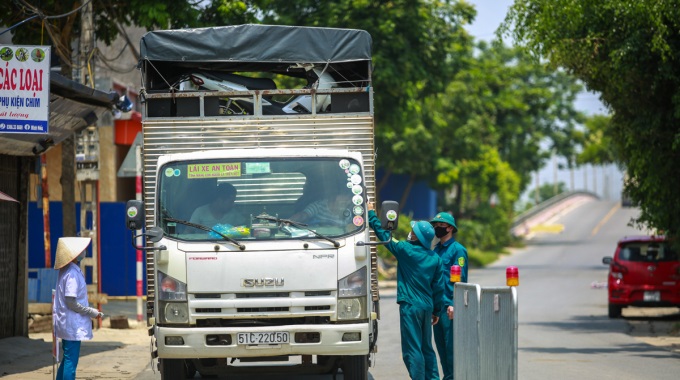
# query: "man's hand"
{"type": "Point", "coordinates": [370, 206]}
{"type": "Point", "coordinates": [449, 311]}
{"type": "Point", "coordinates": [435, 319]}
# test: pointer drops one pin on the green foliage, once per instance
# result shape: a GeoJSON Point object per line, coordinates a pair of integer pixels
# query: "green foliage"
{"type": "Point", "coordinates": [505, 99]}
{"type": "Point", "coordinates": [598, 148]}
{"type": "Point", "coordinates": [448, 110]}
{"type": "Point", "coordinates": [628, 51]}
{"type": "Point", "coordinates": [109, 19]}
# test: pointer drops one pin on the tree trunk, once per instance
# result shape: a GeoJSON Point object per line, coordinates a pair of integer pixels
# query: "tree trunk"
{"type": "Point", "coordinates": [458, 203]}
{"type": "Point", "coordinates": [383, 182]}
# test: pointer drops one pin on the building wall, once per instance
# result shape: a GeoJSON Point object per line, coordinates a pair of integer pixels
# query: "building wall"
{"type": "Point", "coordinates": [13, 247]}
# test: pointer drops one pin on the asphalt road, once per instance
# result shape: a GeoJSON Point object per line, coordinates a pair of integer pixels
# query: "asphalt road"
{"type": "Point", "coordinates": [564, 331]}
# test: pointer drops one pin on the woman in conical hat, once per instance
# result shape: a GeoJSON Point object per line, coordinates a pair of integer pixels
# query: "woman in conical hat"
{"type": "Point", "coordinates": [71, 312]}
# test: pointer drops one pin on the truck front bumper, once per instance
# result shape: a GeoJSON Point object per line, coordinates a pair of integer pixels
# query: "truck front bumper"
{"type": "Point", "coordinates": [194, 341]}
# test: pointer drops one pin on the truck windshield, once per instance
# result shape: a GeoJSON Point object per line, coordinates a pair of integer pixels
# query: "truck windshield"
{"type": "Point", "coordinates": [246, 199]}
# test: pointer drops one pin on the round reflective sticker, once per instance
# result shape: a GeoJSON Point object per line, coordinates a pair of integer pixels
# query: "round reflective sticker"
{"type": "Point", "coordinates": [356, 179]}
{"type": "Point", "coordinates": [349, 185]}
{"type": "Point", "coordinates": [169, 172]}
{"type": "Point", "coordinates": [358, 221]}
{"type": "Point", "coordinates": [344, 164]}
{"type": "Point", "coordinates": [357, 189]}
{"type": "Point", "coordinates": [358, 210]}
{"type": "Point", "coordinates": [132, 212]}
{"type": "Point", "coordinates": [357, 200]}
{"type": "Point", "coordinates": [354, 169]}
{"type": "Point", "coordinates": [391, 215]}
{"type": "Point", "coordinates": [177, 172]}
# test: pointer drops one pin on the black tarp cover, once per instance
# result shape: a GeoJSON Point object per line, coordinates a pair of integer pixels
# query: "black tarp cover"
{"type": "Point", "coordinates": [257, 43]}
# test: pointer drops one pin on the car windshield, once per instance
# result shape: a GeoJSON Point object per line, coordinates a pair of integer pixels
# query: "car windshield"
{"type": "Point", "coordinates": [647, 252]}
{"type": "Point", "coordinates": [248, 199]}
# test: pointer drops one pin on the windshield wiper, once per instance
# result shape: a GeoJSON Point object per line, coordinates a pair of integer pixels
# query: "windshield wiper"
{"type": "Point", "coordinates": [208, 229]}
{"type": "Point", "coordinates": [302, 226]}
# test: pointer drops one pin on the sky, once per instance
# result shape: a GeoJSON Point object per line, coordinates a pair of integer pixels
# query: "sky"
{"type": "Point", "coordinates": [606, 181]}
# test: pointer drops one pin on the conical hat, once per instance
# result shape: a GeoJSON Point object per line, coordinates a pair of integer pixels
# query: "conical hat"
{"type": "Point", "coordinates": [68, 248]}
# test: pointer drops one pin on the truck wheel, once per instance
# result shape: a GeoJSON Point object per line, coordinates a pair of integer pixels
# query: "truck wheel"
{"type": "Point", "coordinates": [172, 369]}
{"type": "Point", "coordinates": [614, 311]}
{"type": "Point", "coordinates": [355, 367]}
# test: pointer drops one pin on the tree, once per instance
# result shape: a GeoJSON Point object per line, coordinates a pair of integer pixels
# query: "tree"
{"type": "Point", "coordinates": [417, 47]}
{"type": "Point", "coordinates": [598, 148]}
{"type": "Point", "coordinates": [626, 50]}
{"type": "Point", "coordinates": [504, 98]}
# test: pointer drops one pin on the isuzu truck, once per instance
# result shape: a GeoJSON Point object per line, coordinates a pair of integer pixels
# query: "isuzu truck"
{"type": "Point", "coordinates": [258, 163]}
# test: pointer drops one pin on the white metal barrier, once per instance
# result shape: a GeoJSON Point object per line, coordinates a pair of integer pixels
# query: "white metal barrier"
{"type": "Point", "coordinates": [484, 332]}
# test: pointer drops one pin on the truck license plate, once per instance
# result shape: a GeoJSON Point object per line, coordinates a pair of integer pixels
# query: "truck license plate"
{"type": "Point", "coordinates": [652, 297]}
{"type": "Point", "coordinates": [263, 338]}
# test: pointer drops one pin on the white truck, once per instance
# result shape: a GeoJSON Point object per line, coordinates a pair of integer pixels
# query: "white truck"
{"type": "Point", "coordinates": [284, 274]}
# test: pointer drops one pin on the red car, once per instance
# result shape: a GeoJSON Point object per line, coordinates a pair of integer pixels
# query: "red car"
{"type": "Point", "coordinates": [644, 272]}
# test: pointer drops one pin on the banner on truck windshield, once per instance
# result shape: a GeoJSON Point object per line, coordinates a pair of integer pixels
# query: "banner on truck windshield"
{"type": "Point", "coordinates": [214, 170]}
{"type": "Point", "coordinates": [24, 89]}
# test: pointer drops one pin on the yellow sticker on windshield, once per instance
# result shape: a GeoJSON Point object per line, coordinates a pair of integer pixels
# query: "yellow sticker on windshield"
{"type": "Point", "coordinates": [214, 170]}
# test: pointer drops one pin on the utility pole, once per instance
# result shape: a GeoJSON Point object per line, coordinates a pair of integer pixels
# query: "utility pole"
{"type": "Point", "coordinates": [554, 162]}
{"type": "Point", "coordinates": [87, 166]}
{"type": "Point", "coordinates": [537, 197]}
{"type": "Point", "coordinates": [571, 173]}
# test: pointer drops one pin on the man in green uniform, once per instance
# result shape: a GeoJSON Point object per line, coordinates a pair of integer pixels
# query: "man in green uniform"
{"type": "Point", "coordinates": [420, 294]}
{"type": "Point", "coordinates": [452, 253]}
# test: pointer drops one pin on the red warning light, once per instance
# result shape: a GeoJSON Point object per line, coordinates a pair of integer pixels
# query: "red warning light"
{"type": "Point", "coordinates": [512, 276]}
{"type": "Point", "coordinates": [455, 273]}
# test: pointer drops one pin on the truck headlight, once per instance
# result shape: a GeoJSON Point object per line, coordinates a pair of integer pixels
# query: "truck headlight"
{"type": "Point", "coordinates": [353, 285]}
{"type": "Point", "coordinates": [352, 296]}
{"type": "Point", "coordinates": [176, 312]}
{"type": "Point", "coordinates": [351, 308]}
{"type": "Point", "coordinates": [171, 289]}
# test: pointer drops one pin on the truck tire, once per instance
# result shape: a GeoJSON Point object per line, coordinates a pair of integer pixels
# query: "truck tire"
{"type": "Point", "coordinates": [614, 311]}
{"type": "Point", "coordinates": [189, 369]}
{"type": "Point", "coordinates": [355, 367]}
{"type": "Point", "coordinates": [172, 369]}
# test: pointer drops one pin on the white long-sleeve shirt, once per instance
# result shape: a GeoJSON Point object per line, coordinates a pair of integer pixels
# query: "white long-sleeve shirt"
{"type": "Point", "coordinates": [72, 324]}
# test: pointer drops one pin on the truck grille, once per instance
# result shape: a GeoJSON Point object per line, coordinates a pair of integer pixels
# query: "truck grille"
{"type": "Point", "coordinates": [254, 305]}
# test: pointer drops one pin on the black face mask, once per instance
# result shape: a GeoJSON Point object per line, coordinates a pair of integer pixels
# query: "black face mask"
{"type": "Point", "coordinates": [440, 232]}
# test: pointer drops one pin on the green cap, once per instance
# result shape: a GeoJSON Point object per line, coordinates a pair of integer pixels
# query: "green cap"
{"type": "Point", "coordinates": [445, 217]}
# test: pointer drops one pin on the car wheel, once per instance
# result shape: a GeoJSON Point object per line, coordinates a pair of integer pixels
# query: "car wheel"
{"type": "Point", "coordinates": [614, 311]}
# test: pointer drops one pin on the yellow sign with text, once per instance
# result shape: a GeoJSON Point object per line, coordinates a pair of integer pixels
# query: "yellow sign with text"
{"type": "Point", "coordinates": [214, 170]}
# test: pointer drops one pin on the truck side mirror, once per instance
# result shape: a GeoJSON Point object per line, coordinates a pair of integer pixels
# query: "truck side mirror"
{"type": "Point", "coordinates": [134, 220]}
{"type": "Point", "coordinates": [389, 215]}
{"type": "Point", "coordinates": [389, 220]}
{"type": "Point", "coordinates": [134, 215]}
